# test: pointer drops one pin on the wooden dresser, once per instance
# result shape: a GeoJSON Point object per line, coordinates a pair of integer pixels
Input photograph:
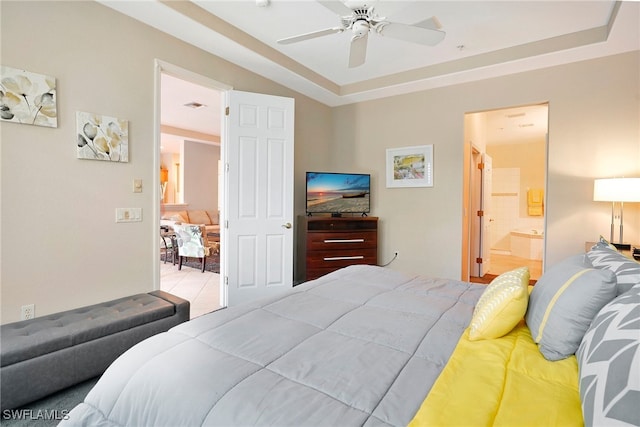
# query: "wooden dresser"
{"type": "Point", "coordinates": [333, 243]}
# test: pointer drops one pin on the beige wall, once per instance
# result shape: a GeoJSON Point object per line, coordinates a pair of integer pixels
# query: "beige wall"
{"type": "Point", "coordinates": [61, 247]}
{"type": "Point", "coordinates": [200, 167]}
{"type": "Point", "coordinates": [593, 132]}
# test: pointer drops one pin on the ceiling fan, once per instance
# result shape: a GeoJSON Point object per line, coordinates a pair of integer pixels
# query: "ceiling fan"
{"type": "Point", "coordinates": [361, 18]}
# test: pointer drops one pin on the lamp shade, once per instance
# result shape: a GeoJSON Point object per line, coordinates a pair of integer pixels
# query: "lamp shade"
{"type": "Point", "coordinates": [164, 175]}
{"type": "Point", "coordinates": [616, 190]}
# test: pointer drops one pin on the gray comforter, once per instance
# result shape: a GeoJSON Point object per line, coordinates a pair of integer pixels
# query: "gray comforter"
{"type": "Point", "coordinates": [360, 346]}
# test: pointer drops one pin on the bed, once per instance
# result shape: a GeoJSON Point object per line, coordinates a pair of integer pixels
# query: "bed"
{"type": "Point", "coordinates": [362, 346]}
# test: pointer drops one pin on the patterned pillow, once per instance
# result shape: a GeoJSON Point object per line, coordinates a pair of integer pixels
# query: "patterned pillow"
{"type": "Point", "coordinates": [199, 217]}
{"type": "Point", "coordinates": [609, 364]}
{"type": "Point", "coordinates": [501, 306]}
{"type": "Point", "coordinates": [563, 303]}
{"type": "Point", "coordinates": [605, 256]}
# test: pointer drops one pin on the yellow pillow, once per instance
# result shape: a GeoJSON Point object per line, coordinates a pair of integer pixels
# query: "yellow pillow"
{"type": "Point", "coordinates": [501, 306]}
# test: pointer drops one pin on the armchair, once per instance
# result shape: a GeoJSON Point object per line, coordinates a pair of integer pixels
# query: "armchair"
{"type": "Point", "coordinates": [167, 245]}
{"type": "Point", "coordinates": [192, 242]}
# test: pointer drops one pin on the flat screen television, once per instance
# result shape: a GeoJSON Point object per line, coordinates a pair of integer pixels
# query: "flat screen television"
{"type": "Point", "coordinates": [338, 193]}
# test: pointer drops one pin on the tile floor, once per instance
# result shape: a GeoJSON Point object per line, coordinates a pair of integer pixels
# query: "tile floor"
{"type": "Point", "coordinates": [202, 290]}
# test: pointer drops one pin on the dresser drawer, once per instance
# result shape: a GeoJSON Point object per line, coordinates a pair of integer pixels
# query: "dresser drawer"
{"type": "Point", "coordinates": [343, 240]}
{"type": "Point", "coordinates": [341, 258]}
{"type": "Point", "coordinates": [323, 262]}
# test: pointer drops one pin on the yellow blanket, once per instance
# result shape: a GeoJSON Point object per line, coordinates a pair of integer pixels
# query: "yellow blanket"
{"type": "Point", "coordinates": [503, 382]}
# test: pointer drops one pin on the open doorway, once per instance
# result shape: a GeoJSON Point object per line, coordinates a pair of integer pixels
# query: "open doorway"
{"type": "Point", "coordinates": [505, 180]}
{"type": "Point", "coordinates": [256, 203]}
{"type": "Point", "coordinates": [191, 192]}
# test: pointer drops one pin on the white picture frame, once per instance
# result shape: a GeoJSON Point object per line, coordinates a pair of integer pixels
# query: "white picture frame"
{"type": "Point", "coordinates": [410, 166]}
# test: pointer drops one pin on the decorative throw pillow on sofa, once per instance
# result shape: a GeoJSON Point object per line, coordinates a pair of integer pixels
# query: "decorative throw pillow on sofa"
{"type": "Point", "coordinates": [563, 303]}
{"type": "Point", "coordinates": [609, 364]}
{"type": "Point", "coordinates": [605, 256]}
{"type": "Point", "coordinates": [501, 306]}
{"type": "Point", "coordinates": [199, 217]}
{"type": "Point", "coordinates": [178, 218]}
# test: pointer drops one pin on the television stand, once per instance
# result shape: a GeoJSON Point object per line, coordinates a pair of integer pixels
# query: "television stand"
{"type": "Point", "coordinates": [331, 243]}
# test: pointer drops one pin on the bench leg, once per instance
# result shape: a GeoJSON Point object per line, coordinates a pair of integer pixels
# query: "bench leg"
{"type": "Point", "coordinates": [203, 260]}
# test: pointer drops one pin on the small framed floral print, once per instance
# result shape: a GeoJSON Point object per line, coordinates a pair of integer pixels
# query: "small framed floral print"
{"type": "Point", "coordinates": [102, 137]}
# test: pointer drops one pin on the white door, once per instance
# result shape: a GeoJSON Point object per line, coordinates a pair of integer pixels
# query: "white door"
{"type": "Point", "coordinates": [485, 218]}
{"type": "Point", "coordinates": [258, 253]}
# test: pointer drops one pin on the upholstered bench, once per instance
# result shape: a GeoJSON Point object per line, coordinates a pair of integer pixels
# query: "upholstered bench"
{"type": "Point", "coordinates": [43, 355]}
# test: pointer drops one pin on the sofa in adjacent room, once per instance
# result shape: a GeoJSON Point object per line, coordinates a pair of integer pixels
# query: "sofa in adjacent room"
{"type": "Point", "coordinates": [209, 218]}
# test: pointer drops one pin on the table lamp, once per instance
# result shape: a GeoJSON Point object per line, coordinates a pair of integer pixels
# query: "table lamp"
{"type": "Point", "coordinates": [164, 178]}
{"type": "Point", "coordinates": [617, 190]}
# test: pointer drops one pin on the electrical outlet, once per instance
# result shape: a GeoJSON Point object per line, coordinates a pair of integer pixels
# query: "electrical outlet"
{"type": "Point", "coordinates": [28, 312]}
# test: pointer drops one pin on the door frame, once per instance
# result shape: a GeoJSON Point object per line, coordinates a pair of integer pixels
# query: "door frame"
{"type": "Point", "coordinates": [163, 67]}
{"type": "Point", "coordinates": [475, 225]}
{"type": "Point", "coordinates": [469, 147]}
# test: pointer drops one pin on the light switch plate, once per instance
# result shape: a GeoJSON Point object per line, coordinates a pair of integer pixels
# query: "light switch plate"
{"type": "Point", "coordinates": [137, 186]}
{"type": "Point", "coordinates": [128, 214]}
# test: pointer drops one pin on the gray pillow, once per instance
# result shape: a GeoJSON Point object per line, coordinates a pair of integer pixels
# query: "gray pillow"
{"type": "Point", "coordinates": [563, 303]}
{"type": "Point", "coordinates": [608, 362]}
{"type": "Point", "coordinates": [627, 271]}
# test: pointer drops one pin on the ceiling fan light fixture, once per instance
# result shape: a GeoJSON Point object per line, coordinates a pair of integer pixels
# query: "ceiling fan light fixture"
{"type": "Point", "coordinates": [361, 19]}
{"type": "Point", "coordinates": [360, 28]}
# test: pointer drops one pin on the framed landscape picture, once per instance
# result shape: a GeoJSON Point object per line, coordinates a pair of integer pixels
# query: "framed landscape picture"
{"type": "Point", "coordinates": [410, 166]}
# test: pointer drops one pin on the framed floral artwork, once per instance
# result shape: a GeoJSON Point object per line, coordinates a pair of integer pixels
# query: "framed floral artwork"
{"type": "Point", "coordinates": [27, 98]}
{"type": "Point", "coordinates": [410, 166]}
{"type": "Point", "coordinates": [102, 137]}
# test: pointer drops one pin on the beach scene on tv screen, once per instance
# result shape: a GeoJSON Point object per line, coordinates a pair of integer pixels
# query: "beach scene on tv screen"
{"type": "Point", "coordinates": [335, 192]}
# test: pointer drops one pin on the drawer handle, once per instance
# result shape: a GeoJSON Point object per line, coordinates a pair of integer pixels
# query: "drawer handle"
{"type": "Point", "coordinates": [340, 258]}
{"type": "Point", "coordinates": [343, 240]}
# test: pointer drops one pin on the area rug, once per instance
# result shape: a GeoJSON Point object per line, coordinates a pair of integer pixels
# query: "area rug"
{"type": "Point", "coordinates": [212, 263]}
{"type": "Point", "coordinates": [50, 410]}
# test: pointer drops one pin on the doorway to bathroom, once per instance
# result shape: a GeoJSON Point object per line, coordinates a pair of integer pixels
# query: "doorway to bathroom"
{"type": "Point", "coordinates": [506, 176]}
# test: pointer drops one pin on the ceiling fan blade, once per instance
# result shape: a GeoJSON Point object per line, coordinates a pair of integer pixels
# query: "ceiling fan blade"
{"type": "Point", "coordinates": [412, 33]}
{"type": "Point", "coordinates": [336, 7]}
{"type": "Point", "coordinates": [358, 51]}
{"type": "Point", "coordinates": [432, 23]}
{"type": "Point", "coordinates": [311, 35]}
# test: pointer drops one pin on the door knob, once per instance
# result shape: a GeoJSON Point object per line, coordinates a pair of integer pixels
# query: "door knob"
{"type": "Point", "coordinates": [287, 225]}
